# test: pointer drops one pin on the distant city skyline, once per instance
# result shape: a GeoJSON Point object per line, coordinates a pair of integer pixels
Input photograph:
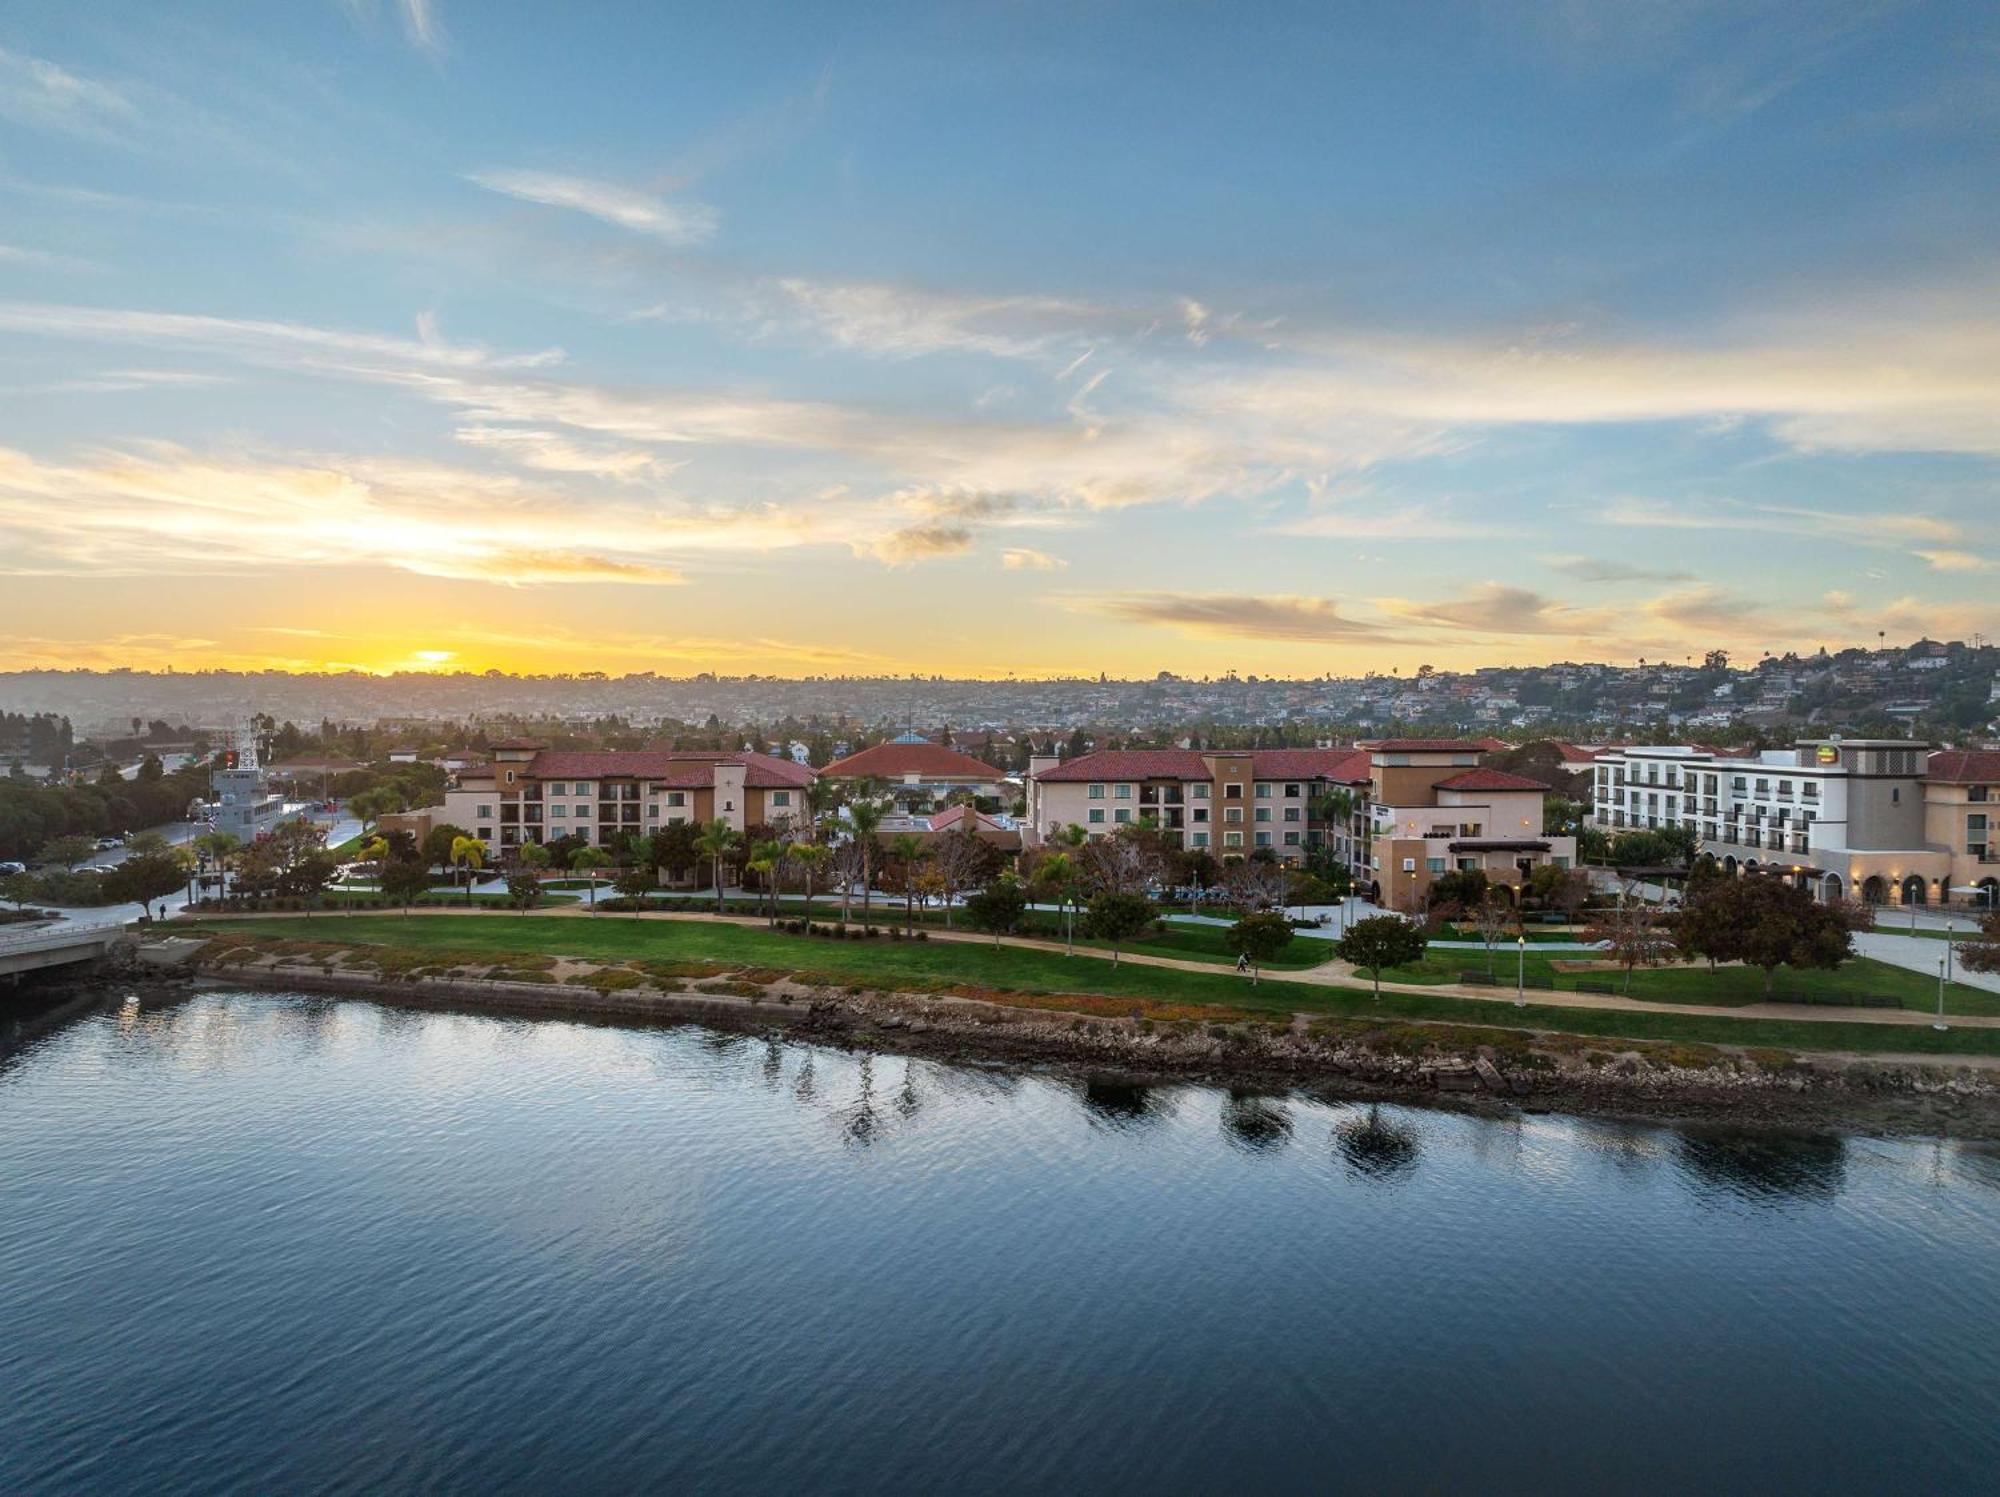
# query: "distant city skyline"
{"type": "Point", "coordinates": [1030, 340]}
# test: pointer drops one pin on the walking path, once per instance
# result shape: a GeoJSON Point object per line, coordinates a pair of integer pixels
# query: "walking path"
{"type": "Point", "coordinates": [1328, 974]}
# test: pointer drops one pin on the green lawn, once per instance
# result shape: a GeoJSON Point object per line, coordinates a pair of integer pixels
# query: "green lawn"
{"type": "Point", "coordinates": [1727, 986]}
{"type": "Point", "coordinates": [884, 963]}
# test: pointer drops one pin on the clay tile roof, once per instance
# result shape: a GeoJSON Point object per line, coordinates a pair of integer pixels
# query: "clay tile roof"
{"type": "Point", "coordinates": [1131, 764]}
{"type": "Point", "coordinates": [1572, 754]}
{"type": "Point", "coordinates": [932, 761]}
{"type": "Point", "coordinates": [682, 768]}
{"type": "Point", "coordinates": [1490, 779]}
{"type": "Point", "coordinates": [518, 743]}
{"type": "Point", "coordinates": [1965, 767]}
{"type": "Point", "coordinates": [1431, 745]}
{"type": "Point", "coordinates": [1310, 764]}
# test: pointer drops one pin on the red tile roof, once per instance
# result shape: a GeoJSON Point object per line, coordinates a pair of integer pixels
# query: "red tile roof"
{"type": "Point", "coordinates": [930, 761]}
{"type": "Point", "coordinates": [681, 768]}
{"type": "Point", "coordinates": [1131, 764]}
{"type": "Point", "coordinates": [1965, 767]}
{"type": "Point", "coordinates": [1490, 779]}
{"type": "Point", "coordinates": [1188, 764]}
{"type": "Point", "coordinates": [1573, 754]}
{"type": "Point", "coordinates": [1431, 745]}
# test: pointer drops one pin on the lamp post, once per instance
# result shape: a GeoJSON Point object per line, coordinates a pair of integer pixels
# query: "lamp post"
{"type": "Point", "coordinates": [1521, 970]}
{"type": "Point", "coordinates": [1939, 1023]}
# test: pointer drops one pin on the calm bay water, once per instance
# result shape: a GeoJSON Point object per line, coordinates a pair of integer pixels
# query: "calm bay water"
{"type": "Point", "coordinates": [256, 1243]}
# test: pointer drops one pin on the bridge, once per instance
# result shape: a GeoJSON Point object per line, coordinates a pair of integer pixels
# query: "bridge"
{"type": "Point", "coordinates": [57, 945]}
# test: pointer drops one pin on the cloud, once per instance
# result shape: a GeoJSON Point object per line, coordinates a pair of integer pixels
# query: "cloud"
{"type": "Point", "coordinates": [1705, 610]}
{"type": "Point", "coordinates": [1595, 569]}
{"type": "Point", "coordinates": [1955, 561]}
{"type": "Point", "coordinates": [1027, 559]}
{"type": "Point", "coordinates": [548, 452]}
{"type": "Point", "coordinates": [259, 342]}
{"type": "Point", "coordinates": [1495, 608]}
{"type": "Point", "coordinates": [1387, 522]}
{"type": "Point", "coordinates": [522, 568]}
{"type": "Point", "coordinates": [1891, 530]}
{"type": "Point", "coordinates": [34, 259]}
{"type": "Point", "coordinates": [914, 543]}
{"type": "Point", "coordinates": [39, 93]}
{"type": "Point", "coordinates": [1234, 616]}
{"type": "Point", "coordinates": [677, 224]}
{"type": "Point", "coordinates": [421, 25]}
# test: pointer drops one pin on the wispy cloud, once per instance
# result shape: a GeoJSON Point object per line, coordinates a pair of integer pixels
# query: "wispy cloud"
{"type": "Point", "coordinates": [1028, 559]}
{"type": "Point", "coordinates": [36, 259]}
{"type": "Point", "coordinates": [1495, 608]}
{"type": "Point", "coordinates": [670, 222]}
{"type": "Point", "coordinates": [47, 96]}
{"type": "Point", "coordinates": [914, 543]}
{"type": "Point", "coordinates": [1955, 561]}
{"type": "Point", "coordinates": [421, 24]}
{"type": "Point", "coordinates": [1235, 616]}
{"type": "Point", "coordinates": [1597, 569]}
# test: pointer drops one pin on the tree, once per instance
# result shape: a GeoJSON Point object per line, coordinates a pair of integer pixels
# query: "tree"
{"type": "Point", "coordinates": [1981, 953]}
{"type": "Point", "coordinates": [587, 860]}
{"type": "Point", "coordinates": [1763, 922]}
{"type": "Point", "coordinates": [438, 842]}
{"type": "Point", "coordinates": [962, 861]}
{"type": "Point", "coordinates": [145, 876]}
{"type": "Point", "coordinates": [1117, 917]}
{"type": "Point", "coordinates": [909, 851]}
{"type": "Point", "coordinates": [19, 887]}
{"type": "Point", "coordinates": [68, 851]}
{"type": "Point", "coordinates": [766, 858]}
{"type": "Point", "coordinates": [864, 819]}
{"type": "Point", "coordinates": [524, 888]}
{"type": "Point", "coordinates": [403, 879]}
{"type": "Point", "coordinates": [1633, 935]}
{"type": "Point", "coordinates": [1492, 917]}
{"type": "Point", "coordinates": [462, 852]}
{"type": "Point", "coordinates": [1462, 888]}
{"type": "Point", "coordinates": [716, 844]}
{"type": "Point", "coordinates": [1561, 816]}
{"type": "Point", "coordinates": [811, 858]}
{"type": "Point", "coordinates": [371, 805]}
{"type": "Point", "coordinates": [1566, 890]}
{"type": "Point", "coordinates": [672, 848]}
{"type": "Point", "coordinates": [999, 907]}
{"type": "Point", "coordinates": [1126, 862]}
{"type": "Point", "coordinates": [1261, 937]}
{"type": "Point", "coordinates": [1056, 875]}
{"type": "Point", "coordinates": [1254, 886]}
{"type": "Point", "coordinates": [1380, 941]}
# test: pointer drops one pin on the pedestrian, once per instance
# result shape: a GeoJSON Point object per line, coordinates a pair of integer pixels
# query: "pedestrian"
{"type": "Point", "coordinates": [1243, 962]}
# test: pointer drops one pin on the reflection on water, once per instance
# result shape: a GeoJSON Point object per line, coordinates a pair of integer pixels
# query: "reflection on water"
{"type": "Point", "coordinates": [252, 1243]}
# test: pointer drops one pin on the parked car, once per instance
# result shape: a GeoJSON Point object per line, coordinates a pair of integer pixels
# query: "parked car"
{"type": "Point", "coordinates": [105, 844]}
{"type": "Point", "coordinates": [11, 867]}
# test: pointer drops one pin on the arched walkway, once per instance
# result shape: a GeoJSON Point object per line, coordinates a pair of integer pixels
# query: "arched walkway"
{"type": "Point", "coordinates": [1833, 888]}
{"type": "Point", "coordinates": [1729, 865]}
{"type": "Point", "coordinates": [1874, 890]}
{"type": "Point", "coordinates": [1989, 893]}
{"type": "Point", "coordinates": [1915, 890]}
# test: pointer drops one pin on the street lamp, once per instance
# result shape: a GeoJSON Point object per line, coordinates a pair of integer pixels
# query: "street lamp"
{"type": "Point", "coordinates": [1521, 970]}
{"type": "Point", "coordinates": [1939, 1024]}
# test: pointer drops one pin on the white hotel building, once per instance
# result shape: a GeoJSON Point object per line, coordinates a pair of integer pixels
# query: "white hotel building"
{"type": "Point", "coordinates": [1845, 817]}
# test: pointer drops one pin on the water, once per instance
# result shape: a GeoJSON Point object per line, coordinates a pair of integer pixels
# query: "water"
{"type": "Point", "coordinates": [255, 1243]}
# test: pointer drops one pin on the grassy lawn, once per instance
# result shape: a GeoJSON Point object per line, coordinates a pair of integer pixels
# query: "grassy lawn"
{"type": "Point", "coordinates": [1726, 986]}
{"type": "Point", "coordinates": [883, 963]}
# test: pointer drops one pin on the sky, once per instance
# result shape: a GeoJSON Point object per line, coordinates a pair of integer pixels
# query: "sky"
{"type": "Point", "coordinates": [1010, 338]}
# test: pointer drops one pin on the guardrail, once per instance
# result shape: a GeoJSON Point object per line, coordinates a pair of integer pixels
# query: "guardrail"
{"type": "Point", "coordinates": [59, 931]}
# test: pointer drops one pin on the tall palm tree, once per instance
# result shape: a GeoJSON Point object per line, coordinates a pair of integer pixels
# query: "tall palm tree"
{"type": "Point", "coordinates": [717, 841]}
{"type": "Point", "coordinates": [219, 847]}
{"type": "Point", "coordinates": [587, 860]}
{"type": "Point", "coordinates": [821, 797]}
{"type": "Point", "coordinates": [864, 817]}
{"type": "Point", "coordinates": [909, 850]}
{"type": "Point", "coordinates": [766, 858]}
{"type": "Point", "coordinates": [468, 853]}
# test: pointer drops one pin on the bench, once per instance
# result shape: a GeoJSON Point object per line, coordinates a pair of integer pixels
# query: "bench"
{"type": "Point", "coordinates": [1477, 980]}
{"type": "Point", "coordinates": [1595, 987]}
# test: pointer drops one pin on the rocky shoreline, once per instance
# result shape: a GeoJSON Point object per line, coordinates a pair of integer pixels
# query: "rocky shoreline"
{"type": "Point", "coordinates": [1476, 1069]}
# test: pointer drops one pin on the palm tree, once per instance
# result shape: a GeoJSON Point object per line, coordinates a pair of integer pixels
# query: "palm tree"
{"type": "Point", "coordinates": [587, 860]}
{"type": "Point", "coordinates": [534, 857]}
{"type": "Point", "coordinates": [909, 850]}
{"type": "Point", "coordinates": [468, 853]}
{"type": "Point", "coordinates": [766, 858]}
{"type": "Point", "coordinates": [372, 805]}
{"type": "Point", "coordinates": [811, 857]}
{"type": "Point", "coordinates": [218, 846]}
{"type": "Point", "coordinates": [821, 797]}
{"type": "Point", "coordinates": [717, 841]}
{"type": "Point", "coordinates": [865, 817]}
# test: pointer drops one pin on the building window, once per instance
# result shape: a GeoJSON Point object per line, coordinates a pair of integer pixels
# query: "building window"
{"type": "Point", "coordinates": [485, 813]}
{"type": "Point", "coordinates": [1121, 815]}
{"type": "Point", "coordinates": [1291, 792]}
{"type": "Point", "coordinates": [1291, 839]}
{"type": "Point", "coordinates": [556, 787]}
{"type": "Point", "coordinates": [1097, 792]}
{"type": "Point", "coordinates": [583, 787]}
{"type": "Point", "coordinates": [484, 833]}
{"type": "Point", "coordinates": [677, 797]}
{"type": "Point", "coordinates": [653, 811]}
{"type": "Point", "coordinates": [1097, 815]}
{"type": "Point", "coordinates": [1291, 813]}
{"type": "Point", "coordinates": [1199, 839]}
{"type": "Point", "coordinates": [1232, 813]}
{"type": "Point", "coordinates": [1409, 865]}
{"type": "Point", "coordinates": [1199, 791]}
{"type": "Point", "coordinates": [1263, 839]}
{"type": "Point", "coordinates": [559, 812]}
{"type": "Point", "coordinates": [781, 797]}
{"type": "Point", "coordinates": [1434, 865]}
{"type": "Point", "coordinates": [1122, 792]}
{"type": "Point", "coordinates": [1232, 792]}
{"type": "Point", "coordinates": [582, 808]}
{"type": "Point", "coordinates": [1199, 813]}
{"type": "Point", "coordinates": [1263, 813]}
{"type": "Point", "coordinates": [1263, 792]}
{"type": "Point", "coordinates": [1232, 839]}
{"type": "Point", "coordinates": [1977, 792]}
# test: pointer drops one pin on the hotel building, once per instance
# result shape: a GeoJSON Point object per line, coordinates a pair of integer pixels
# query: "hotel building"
{"type": "Point", "coordinates": [919, 776]}
{"type": "Point", "coordinates": [534, 794]}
